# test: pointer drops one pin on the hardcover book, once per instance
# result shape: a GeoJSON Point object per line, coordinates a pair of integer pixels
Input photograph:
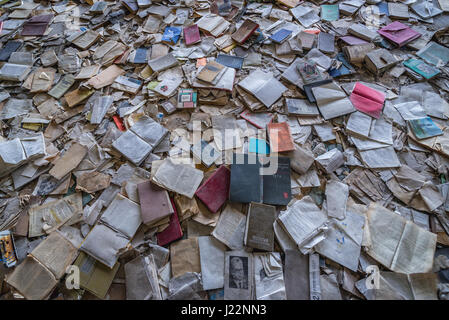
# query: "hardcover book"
{"type": "Point", "coordinates": [215, 190]}
{"type": "Point", "coordinates": [248, 184]}
{"type": "Point", "coordinates": [259, 232]}
{"type": "Point", "coordinates": [154, 202]}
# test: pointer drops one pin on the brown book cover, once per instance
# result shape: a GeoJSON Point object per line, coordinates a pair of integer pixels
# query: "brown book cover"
{"type": "Point", "coordinates": [259, 233]}
{"type": "Point", "coordinates": [37, 25]}
{"type": "Point", "coordinates": [280, 137]}
{"type": "Point", "coordinates": [154, 202]}
{"type": "Point", "coordinates": [245, 31]}
{"type": "Point", "coordinates": [210, 71]}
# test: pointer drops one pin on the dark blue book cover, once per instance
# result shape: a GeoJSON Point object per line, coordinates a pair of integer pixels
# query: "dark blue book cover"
{"type": "Point", "coordinates": [171, 35]}
{"type": "Point", "coordinates": [230, 61]}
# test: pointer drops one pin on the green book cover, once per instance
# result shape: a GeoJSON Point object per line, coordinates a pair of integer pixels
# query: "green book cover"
{"type": "Point", "coordinates": [330, 12]}
{"type": "Point", "coordinates": [422, 68]}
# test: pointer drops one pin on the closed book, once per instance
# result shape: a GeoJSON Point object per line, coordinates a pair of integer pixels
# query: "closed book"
{"type": "Point", "coordinates": [95, 277]}
{"type": "Point", "coordinates": [330, 12]}
{"type": "Point", "coordinates": [171, 35]}
{"type": "Point", "coordinates": [296, 275]}
{"type": "Point", "coordinates": [253, 182]}
{"type": "Point", "coordinates": [398, 11]}
{"type": "Point", "coordinates": [141, 55]}
{"type": "Point", "coordinates": [353, 41]}
{"type": "Point", "coordinates": [8, 48]}
{"type": "Point", "coordinates": [422, 68]}
{"type": "Point", "coordinates": [37, 25]}
{"type": "Point", "coordinates": [277, 186]}
{"type": "Point", "coordinates": [245, 31]}
{"type": "Point", "coordinates": [280, 137]}
{"type": "Point", "coordinates": [259, 232]}
{"type": "Point", "coordinates": [245, 184]}
{"type": "Point", "coordinates": [187, 98]}
{"type": "Point", "coordinates": [326, 42]}
{"type": "Point", "coordinates": [210, 72]}
{"type": "Point", "coordinates": [154, 202]}
{"type": "Point", "coordinates": [399, 33]}
{"type": "Point", "coordinates": [214, 192]}
{"type": "Point", "coordinates": [230, 61]}
{"type": "Point", "coordinates": [192, 34]}
{"type": "Point", "coordinates": [173, 231]}
{"type": "Point", "coordinates": [424, 128]}
{"type": "Point", "coordinates": [281, 36]}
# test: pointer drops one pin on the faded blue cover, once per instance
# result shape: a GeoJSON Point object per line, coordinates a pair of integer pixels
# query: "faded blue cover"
{"type": "Point", "coordinates": [330, 12]}
{"type": "Point", "coordinates": [230, 61]}
{"type": "Point", "coordinates": [383, 8]}
{"type": "Point", "coordinates": [425, 128]}
{"type": "Point", "coordinates": [141, 55]}
{"type": "Point", "coordinates": [281, 35]}
{"type": "Point", "coordinates": [258, 146]}
{"type": "Point", "coordinates": [422, 68]}
{"type": "Point", "coordinates": [171, 34]}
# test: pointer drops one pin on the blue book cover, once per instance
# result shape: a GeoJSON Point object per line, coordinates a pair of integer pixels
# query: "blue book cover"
{"type": "Point", "coordinates": [424, 128]}
{"type": "Point", "coordinates": [141, 55]}
{"type": "Point", "coordinates": [258, 146]}
{"type": "Point", "coordinates": [281, 35]}
{"type": "Point", "coordinates": [383, 8]}
{"type": "Point", "coordinates": [171, 34]}
{"type": "Point", "coordinates": [230, 61]}
{"type": "Point", "coordinates": [345, 68]}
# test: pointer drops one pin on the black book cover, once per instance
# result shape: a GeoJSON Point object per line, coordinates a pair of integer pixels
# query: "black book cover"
{"type": "Point", "coordinates": [248, 185]}
{"type": "Point", "coordinates": [245, 179]}
{"type": "Point", "coordinates": [277, 187]}
{"type": "Point", "coordinates": [10, 47]}
{"type": "Point", "coordinates": [308, 89]}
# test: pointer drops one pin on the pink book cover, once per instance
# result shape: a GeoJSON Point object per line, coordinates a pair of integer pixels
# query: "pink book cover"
{"type": "Point", "coordinates": [399, 33]}
{"type": "Point", "coordinates": [173, 231]}
{"type": "Point", "coordinates": [192, 34]}
{"type": "Point", "coordinates": [367, 100]}
{"type": "Point", "coordinates": [353, 41]}
{"type": "Point", "coordinates": [214, 192]}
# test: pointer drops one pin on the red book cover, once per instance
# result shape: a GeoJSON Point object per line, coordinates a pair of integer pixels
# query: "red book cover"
{"type": "Point", "coordinates": [367, 100]}
{"type": "Point", "coordinates": [173, 231]}
{"type": "Point", "coordinates": [119, 122]}
{"type": "Point", "coordinates": [192, 34]}
{"type": "Point", "coordinates": [214, 192]}
{"type": "Point", "coordinates": [245, 31]}
{"type": "Point", "coordinates": [280, 137]}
